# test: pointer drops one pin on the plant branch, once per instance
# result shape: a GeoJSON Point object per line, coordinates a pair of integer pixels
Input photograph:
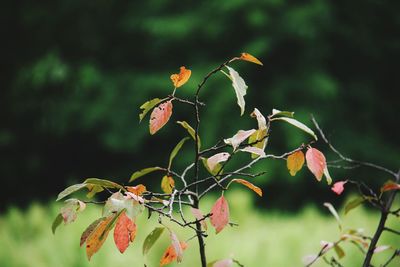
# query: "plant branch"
{"type": "Point", "coordinates": [357, 162]}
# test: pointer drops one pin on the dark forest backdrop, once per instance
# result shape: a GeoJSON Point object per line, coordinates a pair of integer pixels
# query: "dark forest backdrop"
{"type": "Point", "coordinates": [75, 73]}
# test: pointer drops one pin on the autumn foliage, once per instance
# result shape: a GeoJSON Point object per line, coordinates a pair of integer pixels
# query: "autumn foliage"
{"type": "Point", "coordinates": [182, 188]}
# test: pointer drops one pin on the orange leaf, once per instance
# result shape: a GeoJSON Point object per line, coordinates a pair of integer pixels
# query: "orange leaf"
{"type": "Point", "coordinates": [390, 185]}
{"type": "Point", "coordinates": [98, 236]}
{"type": "Point", "coordinates": [89, 230]}
{"type": "Point", "coordinates": [249, 185]}
{"type": "Point", "coordinates": [137, 190]}
{"type": "Point", "coordinates": [220, 214]}
{"type": "Point", "coordinates": [295, 162]}
{"type": "Point", "coordinates": [160, 116]}
{"type": "Point", "coordinates": [180, 79]}
{"type": "Point", "coordinates": [170, 254]}
{"type": "Point", "coordinates": [199, 216]}
{"type": "Point", "coordinates": [250, 58]}
{"type": "Point", "coordinates": [316, 162]}
{"type": "Point", "coordinates": [124, 232]}
{"type": "Point", "coordinates": [167, 183]}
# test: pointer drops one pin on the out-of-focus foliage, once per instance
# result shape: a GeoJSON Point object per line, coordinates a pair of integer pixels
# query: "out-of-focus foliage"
{"type": "Point", "coordinates": [76, 72]}
{"type": "Point", "coordinates": [273, 237]}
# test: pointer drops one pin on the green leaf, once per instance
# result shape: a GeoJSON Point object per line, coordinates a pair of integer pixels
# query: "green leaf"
{"type": "Point", "coordinates": [151, 239]}
{"type": "Point", "coordinates": [190, 130]}
{"type": "Point", "coordinates": [103, 183]}
{"type": "Point", "coordinates": [276, 112]}
{"type": "Point", "coordinates": [334, 213]}
{"type": "Point", "coordinates": [339, 251]}
{"type": "Point", "coordinates": [93, 190]}
{"type": "Point", "coordinates": [57, 221]}
{"type": "Point", "coordinates": [176, 150]}
{"type": "Point", "coordinates": [69, 190]}
{"type": "Point", "coordinates": [216, 169]}
{"type": "Point", "coordinates": [142, 172]}
{"type": "Point", "coordinates": [353, 204]}
{"type": "Point", "coordinates": [297, 124]}
{"type": "Point", "coordinates": [147, 106]}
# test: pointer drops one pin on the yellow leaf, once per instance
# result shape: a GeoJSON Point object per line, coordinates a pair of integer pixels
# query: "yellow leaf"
{"type": "Point", "coordinates": [295, 162]}
{"type": "Point", "coordinates": [98, 236]}
{"type": "Point", "coordinates": [250, 58]}
{"type": "Point", "coordinates": [180, 79]}
{"type": "Point", "coordinates": [167, 183]}
{"type": "Point", "coordinates": [256, 189]}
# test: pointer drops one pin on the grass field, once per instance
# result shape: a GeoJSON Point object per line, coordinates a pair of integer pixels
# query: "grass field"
{"type": "Point", "coordinates": [262, 239]}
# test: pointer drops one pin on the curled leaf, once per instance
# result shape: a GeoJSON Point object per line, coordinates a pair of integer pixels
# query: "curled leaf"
{"type": "Point", "coordinates": [167, 184]}
{"type": "Point", "coordinates": [180, 79]}
{"type": "Point", "coordinates": [190, 130]}
{"type": "Point", "coordinates": [390, 185]}
{"type": "Point", "coordinates": [170, 254]}
{"type": "Point", "coordinates": [334, 213]}
{"type": "Point", "coordinates": [137, 190]}
{"type": "Point", "coordinates": [147, 106]}
{"type": "Point", "coordinates": [220, 214]}
{"type": "Point", "coordinates": [217, 169]}
{"type": "Point", "coordinates": [316, 162]}
{"type": "Point", "coordinates": [256, 189]}
{"type": "Point", "coordinates": [338, 187]}
{"type": "Point", "coordinates": [160, 116]}
{"type": "Point", "coordinates": [254, 150]}
{"type": "Point", "coordinates": [216, 159]}
{"type": "Point", "coordinates": [276, 112]}
{"type": "Point", "coordinates": [57, 221]}
{"type": "Point", "coordinates": [250, 58]}
{"type": "Point", "coordinates": [70, 209]}
{"type": "Point", "coordinates": [238, 138]}
{"type": "Point", "coordinates": [295, 162]}
{"type": "Point", "coordinates": [240, 88]}
{"type": "Point", "coordinates": [262, 123]}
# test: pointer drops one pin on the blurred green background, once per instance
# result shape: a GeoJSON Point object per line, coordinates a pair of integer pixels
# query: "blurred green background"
{"type": "Point", "coordinates": [75, 73]}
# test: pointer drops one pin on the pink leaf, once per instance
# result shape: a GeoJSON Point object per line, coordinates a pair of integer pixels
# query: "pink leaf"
{"type": "Point", "coordinates": [223, 263]}
{"type": "Point", "coordinates": [238, 138]}
{"type": "Point", "coordinates": [381, 248]}
{"type": "Point", "coordinates": [254, 150]}
{"type": "Point", "coordinates": [160, 116]}
{"type": "Point", "coordinates": [220, 214]}
{"type": "Point", "coordinates": [338, 187]}
{"type": "Point", "coordinates": [316, 162]}
{"type": "Point", "coordinates": [217, 158]}
{"type": "Point", "coordinates": [177, 246]}
{"type": "Point", "coordinates": [199, 216]}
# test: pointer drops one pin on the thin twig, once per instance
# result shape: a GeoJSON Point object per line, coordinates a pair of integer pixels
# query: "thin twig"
{"type": "Point", "coordinates": [358, 162]}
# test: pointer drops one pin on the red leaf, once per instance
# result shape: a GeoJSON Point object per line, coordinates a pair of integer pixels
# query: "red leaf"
{"type": "Point", "coordinates": [160, 116]}
{"type": "Point", "coordinates": [316, 162]}
{"type": "Point", "coordinates": [124, 232]}
{"type": "Point", "coordinates": [390, 185]}
{"type": "Point", "coordinates": [220, 214]}
{"type": "Point", "coordinates": [338, 187]}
